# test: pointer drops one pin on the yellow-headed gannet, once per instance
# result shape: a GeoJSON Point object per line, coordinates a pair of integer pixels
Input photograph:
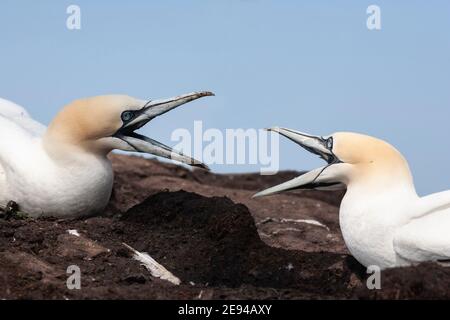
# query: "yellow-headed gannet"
{"type": "Point", "coordinates": [383, 220]}
{"type": "Point", "coordinates": [63, 170]}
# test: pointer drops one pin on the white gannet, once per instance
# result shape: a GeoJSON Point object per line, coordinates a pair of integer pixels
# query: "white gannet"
{"type": "Point", "coordinates": [63, 170]}
{"type": "Point", "coordinates": [383, 220]}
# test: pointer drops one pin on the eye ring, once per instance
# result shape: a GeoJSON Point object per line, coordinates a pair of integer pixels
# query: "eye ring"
{"type": "Point", "coordinates": [127, 116]}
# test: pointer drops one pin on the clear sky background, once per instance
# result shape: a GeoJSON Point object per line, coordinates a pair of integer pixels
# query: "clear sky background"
{"type": "Point", "coordinates": [306, 65]}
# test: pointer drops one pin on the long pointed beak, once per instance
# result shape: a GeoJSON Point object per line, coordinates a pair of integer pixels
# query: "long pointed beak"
{"type": "Point", "coordinates": [155, 108]}
{"type": "Point", "coordinates": [314, 144]}
{"type": "Point", "coordinates": [304, 181]}
{"type": "Point", "coordinates": [145, 144]}
{"type": "Point", "coordinates": [315, 179]}
{"type": "Point", "coordinates": [151, 110]}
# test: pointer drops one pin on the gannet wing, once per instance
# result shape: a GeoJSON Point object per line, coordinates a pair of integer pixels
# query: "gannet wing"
{"type": "Point", "coordinates": [21, 117]}
{"type": "Point", "coordinates": [425, 239]}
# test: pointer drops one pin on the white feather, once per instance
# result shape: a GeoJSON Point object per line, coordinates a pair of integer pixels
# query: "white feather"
{"type": "Point", "coordinates": [307, 221]}
{"type": "Point", "coordinates": [73, 232]}
{"type": "Point", "coordinates": [156, 269]}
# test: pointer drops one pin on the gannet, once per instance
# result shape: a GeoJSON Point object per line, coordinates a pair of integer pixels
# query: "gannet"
{"type": "Point", "coordinates": [63, 170]}
{"type": "Point", "coordinates": [383, 221]}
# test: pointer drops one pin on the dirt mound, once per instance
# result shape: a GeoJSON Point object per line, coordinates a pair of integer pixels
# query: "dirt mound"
{"type": "Point", "coordinates": [221, 247]}
{"type": "Point", "coordinates": [280, 219]}
{"type": "Point", "coordinates": [211, 244]}
{"type": "Point", "coordinates": [220, 238]}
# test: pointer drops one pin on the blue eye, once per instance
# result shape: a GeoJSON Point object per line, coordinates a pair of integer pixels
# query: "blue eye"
{"type": "Point", "coordinates": [127, 116]}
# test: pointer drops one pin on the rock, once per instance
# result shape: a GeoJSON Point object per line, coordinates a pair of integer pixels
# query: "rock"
{"type": "Point", "coordinates": [70, 246]}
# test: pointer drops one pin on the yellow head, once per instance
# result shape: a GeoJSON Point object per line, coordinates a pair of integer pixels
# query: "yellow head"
{"type": "Point", "coordinates": [370, 158]}
{"type": "Point", "coordinates": [92, 122]}
{"type": "Point", "coordinates": [101, 124]}
{"type": "Point", "coordinates": [352, 159]}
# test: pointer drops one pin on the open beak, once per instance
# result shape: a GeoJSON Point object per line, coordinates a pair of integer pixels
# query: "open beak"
{"type": "Point", "coordinates": [319, 178]}
{"type": "Point", "coordinates": [151, 110]}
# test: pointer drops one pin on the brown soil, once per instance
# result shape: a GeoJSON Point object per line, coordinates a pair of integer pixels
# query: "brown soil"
{"type": "Point", "coordinates": [221, 244]}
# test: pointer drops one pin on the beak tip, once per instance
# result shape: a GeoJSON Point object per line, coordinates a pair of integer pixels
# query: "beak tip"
{"type": "Point", "coordinates": [257, 195]}
{"type": "Point", "coordinates": [207, 94]}
{"type": "Point", "coordinates": [273, 129]}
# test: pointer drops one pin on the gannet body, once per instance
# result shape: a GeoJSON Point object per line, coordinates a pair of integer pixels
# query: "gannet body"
{"type": "Point", "coordinates": [63, 170]}
{"type": "Point", "coordinates": [383, 220]}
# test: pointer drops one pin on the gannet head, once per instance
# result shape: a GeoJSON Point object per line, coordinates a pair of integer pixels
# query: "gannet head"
{"type": "Point", "coordinates": [101, 124]}
{"type": "Point", "coordinates": [352, 159]}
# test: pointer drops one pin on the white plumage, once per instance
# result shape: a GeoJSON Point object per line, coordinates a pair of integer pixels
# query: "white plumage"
{"type": "Point", "coordinates": [43, 185]}
{"type": "Point", "coordinates": [383, 220]}
{"type": "Point", "coordinates": [63, 170]}
{"type": "Point", "coordinates": [15, 113]}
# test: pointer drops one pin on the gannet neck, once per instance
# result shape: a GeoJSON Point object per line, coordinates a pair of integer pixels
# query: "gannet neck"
{"type": "Point", "coordinates": [71, 125]}
{"type": "Point", "coordinates": [61, 183]}
{"type": "Point", "coordinates": [382, 178]}
{"type": "Point", "coordinates": [370, 213]}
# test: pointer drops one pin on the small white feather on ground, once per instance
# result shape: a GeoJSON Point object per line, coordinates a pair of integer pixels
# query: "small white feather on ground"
{"type": "Point", "coordinates": [73, 232]}
{"type": "Point", "coordinates": [307, 221]}
{"type": "Point", "coordinates": [156, 270]}
{"type": "Point", "coordinates": [285, 220]}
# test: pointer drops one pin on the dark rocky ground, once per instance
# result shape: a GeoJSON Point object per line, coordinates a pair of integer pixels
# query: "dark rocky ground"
{"type": "Point", "coordinates": [206, 230]}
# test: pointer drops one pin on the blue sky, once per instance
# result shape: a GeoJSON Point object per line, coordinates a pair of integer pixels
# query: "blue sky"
{"type": "Point", "coordinates": [307, 65]}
